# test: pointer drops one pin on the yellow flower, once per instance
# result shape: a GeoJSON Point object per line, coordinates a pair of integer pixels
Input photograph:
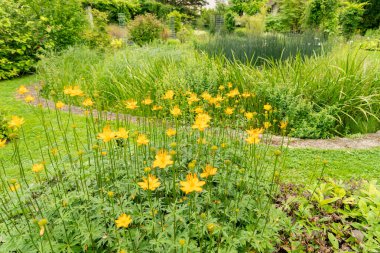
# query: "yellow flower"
{"type": "Point", "coordinates": [254, 135]}
{"type": "Point", "coordinates": [202, 141]}
{"type": "Point", "coordinates": [2, 143]}
{"type": "Point", "coordinates": [191, 184]}
{"type": "Point", "coordinates": [256, 131]}
{"type": "Point", "coordinates": [233, 93]}
{"type": "Point", "coordinates": [221, 87]}
{"type": "Point", "coordinates": [131, 104]}
{"type": "Point", "coordinates": [182, 242]}
{"type": "Point", "coordinates": [175, 111]}
{"type": "Point", "coordinates": [122, 133]}
{"type": "Point", "coordinates": [214, 148]}
{"type": "Point", "coordinates": [116, 43]}
{"type": "Point", "coordinates": [192, 98]}
{"type": "Point", "coordinates": [229, 85]}
{"type": "Point", "coordinates": [107, 134]}
{"type": "Point", "coordinates": [208, 171]}
{"type": "Point", "coordinates": [249, 115]}
{"type": "Point", "coordinates": [29, 99]}
{"type": "Point", "coordinates": [110, 194]}
{"type": "Point", "coordinates": [169, 95]}
{"type": "Point", "coordinates": [38, 167]}
{"type": "Point", "coordinates": [147, 101]}
{"type": "Point", "coordinates": [156, 108]}
{"type": "Point", "coordinates": [171, 132]}
{"type": "Point", "coordinates": [229, 111]}
{"type": "Point", "coordinates": [267, 125]}
{"type": "Point", "coordinates": [283, 124]}
{"type": "Point", "coordinates": [202, 121]}
{"type": "Point", "coordinates": [14, 187]}
{"type": "Point", "coordinates": [246, 95]}
{"type": "Point", "coordinates": [267, 107]}
{"type": "Point", "coordinates": [142, 140]}
{"type": "Point", "coordinates": [162, 159]}
{"type": "Point", "coordinates": [73, 91]}
{"type": "Point", "coordinates": [253, 139]}
{"type": "Point", "coordinates": [123, 221]}
{"type": "Point", "coordinates": [22, 90]}
{"type": "Point", "coordinates": [206, 96]}
{"type": "Point", "coordinates": [192, 164]}
{"type": "Point", "coordinates": [59, 105]}
{"type": "Point", "coordinates": [88, 102]}
{"type": "Point", "coordinates": [198, 110]}
{"type": "Point", "coordinates": [151, 183]}
{"type": "Point", "coordinates": [42, 223]}
{"type": "Point", "coordinates": [16, 122]}
{"type": "Point", "coordinates": [147, 169]}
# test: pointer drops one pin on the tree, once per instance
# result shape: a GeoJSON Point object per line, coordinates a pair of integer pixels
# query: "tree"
{"type": "Point", "coordinates": [249, 7]}
{"type": "Point", "coordinates": [321, 15]}
{"type": "Point", "coordinates": [371, 15]}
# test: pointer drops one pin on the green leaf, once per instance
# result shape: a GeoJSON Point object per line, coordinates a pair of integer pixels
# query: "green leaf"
{"type": "Point", "coordinates": [334, 242]}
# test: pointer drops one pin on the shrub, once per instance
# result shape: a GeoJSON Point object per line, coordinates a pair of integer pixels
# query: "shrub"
{"type": "Point", "coordinates": [97, 36]}
{"type": "Point", "coordinates": [350, 18]}
{"type": "Point", "coordinates": [4, 129]}
{"type": "Point", "coordinates": [144, 29]}
{"type": "Point", "coordinates": [229, 21]}
{"type": "Point", "coordinates": [28, 28]}
{"type": "Point", "coordinates": [113, 7]}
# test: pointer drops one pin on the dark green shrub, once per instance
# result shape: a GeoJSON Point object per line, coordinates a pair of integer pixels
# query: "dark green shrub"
{"type": "Point", "coordinates": [4, 130]}
{"type": "Point", "coordinates": [229, 22]}
{"type": "Point", "coordinates": [350, 18]}
{"type": "Point", "coordinates": [97, 36]}
{"type": "Point", "coordinates": [145, 28]}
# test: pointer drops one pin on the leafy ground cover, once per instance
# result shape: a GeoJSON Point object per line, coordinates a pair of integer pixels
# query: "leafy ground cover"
{"type": "Point", "coordinates": [152, 187]}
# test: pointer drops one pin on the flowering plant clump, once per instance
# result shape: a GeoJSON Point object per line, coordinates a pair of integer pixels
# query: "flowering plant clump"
{"type": "Point", "coordinates": [183, 185]}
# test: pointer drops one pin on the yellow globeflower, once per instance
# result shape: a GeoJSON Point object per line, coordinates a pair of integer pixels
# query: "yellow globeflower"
{"type": "Point", "coordinates": [233, 93]}
{"type": "Point", "coordinates": [122, 133]}
{"type": "Point", "coordinates": [22, 90]}
{"type": "Point", "coordinates": [38, 167]}
{"type": "Point", "coordinates": [208, 171]}
{"type": "Point", "coordinates": [256, 131]}
{"type": "Point", "coordinates": [249, 115]}
{"type": "Point", "coordinates": [151, 183]}
{"type": "Point", "coordinates": [175, 111]}
{"type": "Point", "coordinates": [267, 125]}
{"type": "Point", "coordinates": [162, 159]}
{"type": "Point", "coordinates": [192, 98]}
{"type": "Point", "coordinates": [169, 95]}
{"type": "Point", "coordinates": [29, 99]}
{"type": "Point", "coordinates": [206, 96]}
{"type": "Point", "coordinates": [107, 134]}
{"type": "Point", "coordinates": [191, 184]}
{"type": "Point", "coordinates": [246, 95]}
{"type": "Point", "coordinates": [73, 91]}
{"type": "Point", "coordinates": [131, 104]}
{"type": "Point", "coordinates": [16, 122]}
{"type": "Point", "coordinates": [147, 101]}
{"type": "Point", "coordinates": [171, 132]}
{"type": "Point", "coordinates": [142, 140]}
{"type": "Point", "coordinates": [283, 125]}
{"type": "Point", "coordinates": [156, 108]}
{"type": "Point", "coordinates": [198, 110]}
{"type": "Point", "coordinates": [267, 107]}
{"type": "Point", "coordinates": [229, 111]}
{"type": "Point", "coordinates": [14, 187]}
{"type": "Point", "coordinates": [253, 139]}
{"type": "Point", "coordinates": [2, 143]}
{"type": "Point", "coordinates": [202, 121]}
{"type": "Point", "coordinates": [123, 221]}
{"type": "Point", "coordinates": [59, 105]}
{"type": "Point", "coordinates": [88, 102]}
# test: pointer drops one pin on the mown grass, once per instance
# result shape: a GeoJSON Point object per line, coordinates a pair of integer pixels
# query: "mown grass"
{"type": "Point", "coordinates": [302, 166]}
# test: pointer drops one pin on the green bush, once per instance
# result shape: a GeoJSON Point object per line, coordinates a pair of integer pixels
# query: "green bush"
{"type": "Point", "coordinates": [97, 36]}
{"type": "Point", "coordinates": [145, 28]}
{"type": "Point", "coordinates": [28, 28]}
{"type": "Point", "coordinates": [350, 18]}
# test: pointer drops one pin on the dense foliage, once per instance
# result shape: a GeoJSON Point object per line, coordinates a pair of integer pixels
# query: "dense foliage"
{"type": "Point", "coordinates": [342, 99]}
{"type": "Point", "coordinates": [145, 28]}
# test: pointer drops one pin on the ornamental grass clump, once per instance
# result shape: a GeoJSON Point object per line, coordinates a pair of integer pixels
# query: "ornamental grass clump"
{"type": "Point", "coordinates": [183, 184]}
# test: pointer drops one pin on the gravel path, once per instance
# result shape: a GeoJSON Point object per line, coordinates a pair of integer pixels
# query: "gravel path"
{"type": "Point", "coordinates": [363, 142]}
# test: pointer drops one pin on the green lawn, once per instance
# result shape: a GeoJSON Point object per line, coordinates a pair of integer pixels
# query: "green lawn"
{"type": "Point", "coordinates": [303, 165]}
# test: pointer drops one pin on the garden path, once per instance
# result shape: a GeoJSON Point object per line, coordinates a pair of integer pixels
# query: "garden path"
{"type": "Point", "coordinates": [364, 141]}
